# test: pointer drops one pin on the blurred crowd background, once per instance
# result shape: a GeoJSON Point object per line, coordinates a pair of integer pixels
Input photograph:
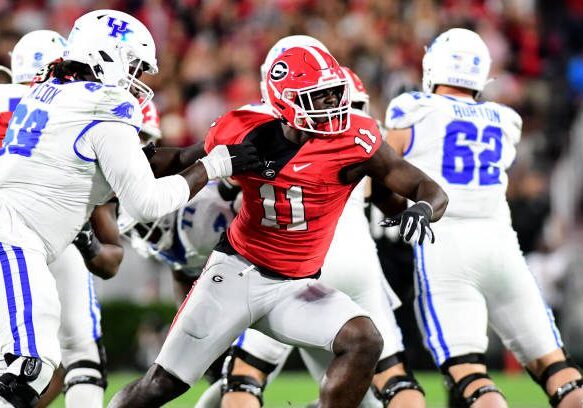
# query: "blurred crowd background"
{"type": "Point", "coordinates": [209, 54]}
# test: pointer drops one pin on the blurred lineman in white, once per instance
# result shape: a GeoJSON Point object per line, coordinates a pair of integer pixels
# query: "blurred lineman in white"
{"type": "Point", "coordinates": [475, 274]}
{"type": "Point", "coordinates": [352, 266]}
{"type": "Point", "coordinates": [71, 143]}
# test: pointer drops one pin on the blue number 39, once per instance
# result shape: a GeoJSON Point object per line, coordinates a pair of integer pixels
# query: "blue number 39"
{"type": "Point", "coordinates": [28, 135]}
{"type": "Point", "coordinates": [454, 152]}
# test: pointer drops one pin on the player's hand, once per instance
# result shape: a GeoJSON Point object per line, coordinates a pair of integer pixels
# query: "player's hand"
{"type": "Point", "coordinates": [86, 242]}
{"type": "Point", "coordinates": [413, 222]}
{"type": "Point", "coordinates": [227, 160]}
{"type": "Point", "coordinates": [244, 157]}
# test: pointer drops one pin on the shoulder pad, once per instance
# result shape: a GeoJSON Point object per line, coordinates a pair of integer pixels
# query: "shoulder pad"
{"type": "Point", "coordinates": [511, 123]}
{"type": "Point", "coordinates": [117, 104]}
{"type": "Point", "coordinates": [259, 108]}
{"type": "Point", "coordinates": [232, 127]}
{"type": "Point", "coordinates": [107, 103]}
{"type": "Point", "coordinates": [364, 136]}
{"type": "Point", "coordinates": [406, 109]}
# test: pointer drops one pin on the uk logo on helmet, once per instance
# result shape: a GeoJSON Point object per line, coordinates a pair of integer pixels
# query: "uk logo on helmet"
{"type": "Point", "coordinates": [279, 71]}
{"type": "Point", "coordinates": [118, 29]}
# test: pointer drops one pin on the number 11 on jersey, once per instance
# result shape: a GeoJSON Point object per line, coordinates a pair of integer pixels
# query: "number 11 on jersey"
{"type": "Point", "coordinates": [295, 197]}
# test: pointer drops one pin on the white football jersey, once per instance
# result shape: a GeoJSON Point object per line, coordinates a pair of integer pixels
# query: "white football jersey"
{"type": "Point", "coordinates": [465, 146]}
{"type": "Point", "coordinates": [200, 224]}
{"type": "Point", "coordinates": [50, 176]}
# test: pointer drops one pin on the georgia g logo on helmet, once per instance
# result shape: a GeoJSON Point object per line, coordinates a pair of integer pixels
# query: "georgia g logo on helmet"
{"type": "Point", "coordinates": [279, 71]}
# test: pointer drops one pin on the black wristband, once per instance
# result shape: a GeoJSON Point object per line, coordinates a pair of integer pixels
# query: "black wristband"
{"type": "Point", "coordinates": [228, 191]}
{"type": "Point", "coordinates": [90, 251]}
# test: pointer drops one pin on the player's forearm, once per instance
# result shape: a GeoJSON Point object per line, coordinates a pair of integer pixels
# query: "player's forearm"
{"type": "Point", "coordinates": [196, 176]}
{"type": "Point", "coordinates": [385, 200]}
{"type": "Point", "coordinates": [173, 160]}
{"type": "Point", "coordinates": [105, 263]}
{"type": "Point", "coordinates": [429, 191]}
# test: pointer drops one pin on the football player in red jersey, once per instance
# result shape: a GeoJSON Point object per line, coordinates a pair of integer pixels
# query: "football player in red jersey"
{"type": "Point", "coordinates": [263, 274]}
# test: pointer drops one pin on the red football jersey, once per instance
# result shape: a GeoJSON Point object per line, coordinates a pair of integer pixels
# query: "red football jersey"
{"type": "Point", "coordinates": [290, 209]}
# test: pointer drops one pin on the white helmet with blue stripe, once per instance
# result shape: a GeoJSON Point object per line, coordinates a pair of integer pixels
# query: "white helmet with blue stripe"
{"type": "Point", "coordinates": [32, 52]}
{"type": "Point", "coordinates": [116, 46]}
{"type": "Point", "coordinates": [457, 57]}
{"type": "Point", "coordinates": [278, 48]}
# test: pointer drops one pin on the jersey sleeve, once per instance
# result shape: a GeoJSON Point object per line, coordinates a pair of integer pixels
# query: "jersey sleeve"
{"type": "Point", "coordinates": [512, 125]}
{"type": "Point", "coordinates": [405, 110]}
{"type": "Point", "coordinates": [232, 127]}
{"type": "Point", "coordinates": [126, 169]}
{"type": "Point", "coordinates": [369, 131]}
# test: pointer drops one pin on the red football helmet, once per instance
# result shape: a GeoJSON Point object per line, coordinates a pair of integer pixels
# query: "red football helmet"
{"type": "Point", "coordinates": [150, 131]}
{"type": "Point", "coordinates": [358, 95]}
{"type": "Point", "coordinates": [296, 83]}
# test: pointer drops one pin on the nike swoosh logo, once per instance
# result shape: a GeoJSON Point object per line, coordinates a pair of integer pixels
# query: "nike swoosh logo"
{"type": "Point", "coordinates": [300, 168]}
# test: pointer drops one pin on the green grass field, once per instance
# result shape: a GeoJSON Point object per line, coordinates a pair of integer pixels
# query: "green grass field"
{"type": "Point", "coordinates": [297, 389]}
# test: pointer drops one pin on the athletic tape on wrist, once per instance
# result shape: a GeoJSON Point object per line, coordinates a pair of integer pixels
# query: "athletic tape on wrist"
{"type": "Point", "coordinates": [218, 163]}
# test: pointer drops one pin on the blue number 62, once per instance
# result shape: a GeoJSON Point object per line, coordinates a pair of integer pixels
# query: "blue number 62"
{"type": "Point", "coordinates": [453, 151]}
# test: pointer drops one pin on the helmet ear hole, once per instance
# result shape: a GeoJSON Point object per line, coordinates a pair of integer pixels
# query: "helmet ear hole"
{"type": "Point", "coordinates": [105, 56]}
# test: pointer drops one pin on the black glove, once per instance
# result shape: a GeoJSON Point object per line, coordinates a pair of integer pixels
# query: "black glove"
{"type": "Point", "coordinates": [228, 191]}
{"type": "Point", "coordinates": [415, 218]}
{"type": "Point", "coordinates": [227, 160]}
{"type": "Point", "coordinates": [87, 243]}
{"type": "Point", "coordinates": [244, 157]}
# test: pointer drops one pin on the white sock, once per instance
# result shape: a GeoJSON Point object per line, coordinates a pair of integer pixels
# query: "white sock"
{"type": "Point", "coordinates": [84, 395]}
{"type": "Point", "coordinates": [211, 397]}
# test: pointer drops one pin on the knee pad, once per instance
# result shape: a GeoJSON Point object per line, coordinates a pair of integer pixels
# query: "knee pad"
{"type": "Point", "coordinates": [456, 398]}
{"type": "Point", "coordinates": [395, 385]}
{"type": "Point", "coordinates": [16, 387]}
{"type": "Point", "coordinates": [243, 383]}
{"type": "Point", "coordinates": [563, 390]}
{"type": "Point", "coordinates": [398, 383]}
{"type": "Point", "coordinates": [87, 371]}
{"type": "Point", "coordinates": [261, 365]}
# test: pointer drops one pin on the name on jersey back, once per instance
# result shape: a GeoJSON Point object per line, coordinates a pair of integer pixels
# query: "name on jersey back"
{"type": "Point", "coordinates": [45, 93]}
{"type": "Point", "coordinates": [464, 111]}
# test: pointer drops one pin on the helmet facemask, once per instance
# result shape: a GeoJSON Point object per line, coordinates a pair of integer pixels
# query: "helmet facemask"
{"type": "Point", "coordinates": [326, 121]}
{"type": "Point", "coordinates": [126, 74]}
